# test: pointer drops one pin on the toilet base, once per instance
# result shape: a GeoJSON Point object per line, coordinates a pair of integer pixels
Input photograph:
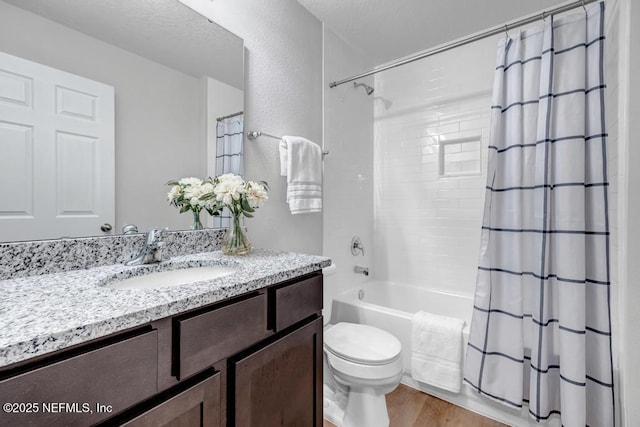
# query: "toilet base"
{"type": "Point", "coordinates": [366, 407]}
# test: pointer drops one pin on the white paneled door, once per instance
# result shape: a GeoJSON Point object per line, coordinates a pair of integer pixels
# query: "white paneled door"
{"type": "Point", "coordinates": [56, 152]}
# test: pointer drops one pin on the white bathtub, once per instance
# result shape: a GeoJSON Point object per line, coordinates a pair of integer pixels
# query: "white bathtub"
{"type": "Point", "coordinates": [389, 306]}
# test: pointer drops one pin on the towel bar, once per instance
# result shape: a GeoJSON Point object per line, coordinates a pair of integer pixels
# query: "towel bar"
{"type": "Point", "coordinates": [253, 134]}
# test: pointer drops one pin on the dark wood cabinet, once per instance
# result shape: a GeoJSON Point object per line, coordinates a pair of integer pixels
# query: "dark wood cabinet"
{"type": "Point", "coordinates": [296, 301]}
{"type": "Point", "coordinates": [281, 384]}
{"type": "Point", "coordinates": [197, 406]}
{"type": "Point", "coordinates": [204, 338]}
{"type": "Point", "coordinates": [85, 388]}
{"type": "Point", "coordinates": [253, 360]}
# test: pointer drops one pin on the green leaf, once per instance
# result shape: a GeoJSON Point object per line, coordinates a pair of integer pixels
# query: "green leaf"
{"type": "Point", "coordinates": [215, 211]}
{"type": "Point", "coordinates": [172, 183]}
{"type": "Point", "coordinates": [184, 209]}
{"type": "Point", "coordinates": [208, 196]}
{"type": "Point", "coordinates": [248, 215]}
{"type": "Point", "coordinates": [244, 203]}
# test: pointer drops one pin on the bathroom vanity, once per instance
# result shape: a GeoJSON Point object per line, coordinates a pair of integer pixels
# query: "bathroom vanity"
{"type": "Point", "coordinates": [244, 349]}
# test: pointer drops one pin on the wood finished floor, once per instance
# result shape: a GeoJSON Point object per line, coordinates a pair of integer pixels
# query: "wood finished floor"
{"type": "Point", "coordinates": [410, 408]}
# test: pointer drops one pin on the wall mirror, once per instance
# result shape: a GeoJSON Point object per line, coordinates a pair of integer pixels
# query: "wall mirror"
{"type": "Point", "coordinates": [151, 77]}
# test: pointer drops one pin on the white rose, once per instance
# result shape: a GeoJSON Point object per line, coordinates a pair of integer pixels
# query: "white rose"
{"type": "Point", "coordinates": [174, 193]}
{"type": "Point", "coordinates": [256, 194]}
{"type": "Point", "coordinates": [190, 181]}
{"type": "Point", "coordinates": [207, 187]}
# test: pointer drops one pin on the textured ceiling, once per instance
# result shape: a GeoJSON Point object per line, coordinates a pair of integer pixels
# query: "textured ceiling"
{"type": "Point", "coordinates": [385, 30]}
{"type": "Point", "coordinates": [164, 31]}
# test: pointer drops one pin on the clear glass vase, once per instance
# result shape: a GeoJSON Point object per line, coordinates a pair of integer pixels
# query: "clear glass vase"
{"type": "Point", "coordinates": [197, 225]}
{"type": "Point", "coordinates": [235, 240]}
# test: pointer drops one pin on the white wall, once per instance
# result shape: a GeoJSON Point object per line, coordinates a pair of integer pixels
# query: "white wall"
{"type": "Point", "coordinates": [427, 226]}
{"type": "Point", "coordinates": [283, 96]}
{"type": "Point", "coordinates": [629, 300]}
{"type": "Point", "coordinates": [157, 112]}
{"type": "Point", "coordinates": [348, 169]}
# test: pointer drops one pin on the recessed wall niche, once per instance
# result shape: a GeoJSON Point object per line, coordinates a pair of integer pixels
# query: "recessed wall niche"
{"type": "Point", "coordinates": [459, 157]}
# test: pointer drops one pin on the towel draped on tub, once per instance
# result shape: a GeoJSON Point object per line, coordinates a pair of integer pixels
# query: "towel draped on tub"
{"type": "Point", "coordinates": [436, 357]}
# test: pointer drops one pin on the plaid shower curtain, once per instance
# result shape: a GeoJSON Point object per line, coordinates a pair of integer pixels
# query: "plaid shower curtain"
{"type": "Point", "coordinates": [541, 329]}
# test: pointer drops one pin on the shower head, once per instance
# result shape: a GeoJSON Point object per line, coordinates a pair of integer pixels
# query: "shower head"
{"type": "Point", "coordinates": [368, 88]}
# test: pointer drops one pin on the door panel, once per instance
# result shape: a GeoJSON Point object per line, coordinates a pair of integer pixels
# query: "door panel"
{"type": "Point", "coordinates": [56, 152]}
{"type": "Point", "coordinates": [16, 167]}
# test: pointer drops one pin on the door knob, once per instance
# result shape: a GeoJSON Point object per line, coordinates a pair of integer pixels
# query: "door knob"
{"type": "Point", "coordinates": [106, 227]}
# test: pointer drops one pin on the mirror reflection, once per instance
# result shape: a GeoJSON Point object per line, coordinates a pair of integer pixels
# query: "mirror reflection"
{"type": "Point", "coordinates": [102, 103]}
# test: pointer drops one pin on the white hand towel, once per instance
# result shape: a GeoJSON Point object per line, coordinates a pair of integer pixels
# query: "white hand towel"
{"type": "Point", "coordinates": [283, 149]}
{"type": "Point", "coordinates": [436, 357]}
{"type": "Point", "coordinates": [301, 159]}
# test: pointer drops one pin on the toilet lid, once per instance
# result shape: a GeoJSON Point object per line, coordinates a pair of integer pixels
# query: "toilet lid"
{"type": "Point", "coordinates": [362, 343]}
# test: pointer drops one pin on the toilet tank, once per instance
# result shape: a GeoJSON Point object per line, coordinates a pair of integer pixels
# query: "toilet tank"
{"type": "Point", "coordinates": [330, 288]}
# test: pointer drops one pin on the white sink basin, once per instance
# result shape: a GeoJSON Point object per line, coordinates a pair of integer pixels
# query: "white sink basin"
{"type": "Point", "coordinates": [177, 277]}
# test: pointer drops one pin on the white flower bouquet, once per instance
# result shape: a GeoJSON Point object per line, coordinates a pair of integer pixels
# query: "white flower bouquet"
{"type": "Point", "coordinates": [187, 195]}
{"type": "Point", "coordinates": [229, 191]}
{"type": "Point", "coordinates": [236, 194]}
{"type": "Point", "coordinates": [240, 197]}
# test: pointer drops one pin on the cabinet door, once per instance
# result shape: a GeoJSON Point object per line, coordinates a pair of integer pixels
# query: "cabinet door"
{"type": "Point", "coordinates": [195, 407]}
{"type": "Point", "coordinates": [281, 384]}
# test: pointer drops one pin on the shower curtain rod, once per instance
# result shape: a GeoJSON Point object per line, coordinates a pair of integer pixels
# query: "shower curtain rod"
{"type": "Point", "coordinates": [229, 116]}
{"type": "Point", "coordinates": [469, 39]}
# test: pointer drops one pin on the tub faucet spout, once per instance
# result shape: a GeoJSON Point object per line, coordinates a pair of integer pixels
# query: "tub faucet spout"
{"type": "Point", "coordinates": [361, 270]}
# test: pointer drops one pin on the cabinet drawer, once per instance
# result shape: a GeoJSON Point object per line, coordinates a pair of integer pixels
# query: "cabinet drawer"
{"type": "Point", "coordinates": [297, 301]}
{"type": "Point", "coordinates": [69, 392]}
{"type": "Point", "coordinates": [205, 338]}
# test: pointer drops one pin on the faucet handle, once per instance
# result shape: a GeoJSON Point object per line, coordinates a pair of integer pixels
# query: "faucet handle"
{"type": "Point", "coordinates": [154, 234]}
{"type": "Point", "coordinates": [356, 246]}
{"type": "Point", "coordinates": [159, 254]}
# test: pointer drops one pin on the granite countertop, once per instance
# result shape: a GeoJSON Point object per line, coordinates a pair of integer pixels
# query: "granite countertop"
{"type": "Point", "coordinates": [40, 314]}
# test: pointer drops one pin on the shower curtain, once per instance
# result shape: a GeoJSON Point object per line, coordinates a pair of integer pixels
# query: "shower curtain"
{"type": "Point", "coordinates": [541, 330]}
{"type": "Point", "coordinates": [229, 156]}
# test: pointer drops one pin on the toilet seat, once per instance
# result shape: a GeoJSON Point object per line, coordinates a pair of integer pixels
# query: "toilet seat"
{"type": "Point", "coordinates": [362, 344]}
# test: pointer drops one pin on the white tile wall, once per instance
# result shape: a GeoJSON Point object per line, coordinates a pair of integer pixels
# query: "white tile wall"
{"type": "Point", "coordinates": [427, 203]}
{"type": "Point", "coordinates": [429, 165]}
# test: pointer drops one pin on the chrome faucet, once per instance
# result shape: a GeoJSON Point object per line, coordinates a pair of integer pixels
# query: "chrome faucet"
{"type": "Point", "coordinates": [361, 270]}
{"type": "Point", "coordinates": [152, 250]}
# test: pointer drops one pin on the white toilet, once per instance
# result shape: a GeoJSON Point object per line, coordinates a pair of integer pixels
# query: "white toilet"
{"type": "Point", "coordinates": [368, 361]}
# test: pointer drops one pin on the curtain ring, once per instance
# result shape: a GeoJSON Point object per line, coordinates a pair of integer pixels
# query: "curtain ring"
{"type": "Point", "coordinates": [506, 31]}
{"type": "Point", "coordinates": [544, 15]}
{"type": "Point", "coordinates": [585, 9]}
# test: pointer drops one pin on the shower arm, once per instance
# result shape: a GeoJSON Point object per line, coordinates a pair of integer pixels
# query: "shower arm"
{"type": "Point", "coordinates": [366, 87]}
